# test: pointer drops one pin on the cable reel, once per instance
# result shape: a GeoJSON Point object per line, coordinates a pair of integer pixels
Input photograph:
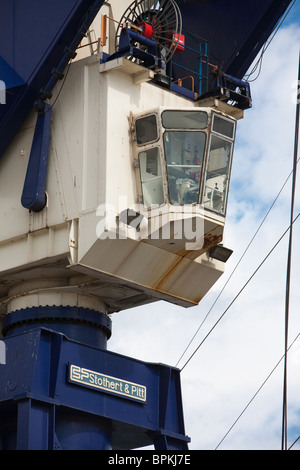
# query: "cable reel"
{"type": "Point", "coordinates": [158, 21]}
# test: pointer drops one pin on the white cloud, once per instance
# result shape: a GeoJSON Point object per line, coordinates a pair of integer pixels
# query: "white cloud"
{"type": "Point", "coordinates": [243, 349]}
{"type": "Point", "coordinates": [265, 136]}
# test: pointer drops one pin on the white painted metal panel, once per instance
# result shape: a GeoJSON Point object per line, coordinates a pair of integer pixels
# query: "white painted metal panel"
{"type": "Point", "coordinates": [91, 170]}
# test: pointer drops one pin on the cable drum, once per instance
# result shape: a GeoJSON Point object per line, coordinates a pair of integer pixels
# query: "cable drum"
{"type": "Point", "coordinates": [160, 21]}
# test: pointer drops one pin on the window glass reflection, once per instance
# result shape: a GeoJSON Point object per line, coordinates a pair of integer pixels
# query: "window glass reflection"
{"type": "Point", "coordinates": [223, 126]}
{"type": "Point", "coordinates": [184, 157]}
{"type": "Point", "coordinates": [151, 177]}
{"type": "Point", "coordinates": [146, 130]}
{"type": "Point", "coordinates": [217, 174]}
{"type": "Point", "coordinates": [184, 119]}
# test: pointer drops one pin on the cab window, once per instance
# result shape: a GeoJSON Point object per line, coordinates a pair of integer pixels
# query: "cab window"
{"type": "Point", "coordinates": [184, 153]}
{"type": "Point", "coordinates": [151, 177]}
{"type": "Point", "coordinates": [216, 181]}
{"type": "Point", "coordinates": [146, 130]}
{"type": "Point", "coordinates": [184, 119]}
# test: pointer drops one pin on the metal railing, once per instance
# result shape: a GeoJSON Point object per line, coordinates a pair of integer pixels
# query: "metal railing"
{"type": "Point", "coordinates": [199, 75]}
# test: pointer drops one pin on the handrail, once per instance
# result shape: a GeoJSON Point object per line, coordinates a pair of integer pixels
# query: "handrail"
{"type": "Point", "coordinates": [200, 74]}
{"type": "Point", "coordinates": [180, 80]}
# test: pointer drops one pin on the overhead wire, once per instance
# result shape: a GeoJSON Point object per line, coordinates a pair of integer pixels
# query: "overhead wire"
{"type": "Point", "coordinates": [295, 441]}
{"type": "Point", "coordinates": [238, 263]}
{"type": "Point", "coordinates": [255, 395]}
{"type": "Point", "coordinates": [258, 63]}
{"type": "Point", "coordinates": [240, 291]}
{"type": "Point", "coordinates": [288, 279]}
{"type": "Point", "coordinates": [284, 432]}
{"type": "Point", "coordinates": [288, 273]}
{"type": "Point", "coordinates": [265, 217]}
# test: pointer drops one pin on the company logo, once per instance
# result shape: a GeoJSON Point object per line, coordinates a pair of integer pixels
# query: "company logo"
{"type": "Point", "coordinates": [2, 353]}
{"type": "Point", "coordinates": [106, 383]}
{"type": "Point", "coordinates": [2, 92]}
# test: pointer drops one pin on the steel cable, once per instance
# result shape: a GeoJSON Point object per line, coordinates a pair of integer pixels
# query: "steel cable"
{"type": "Point", "coordinates": [288, 273]}
{"type": "Point", "coordinates": [240, 291]}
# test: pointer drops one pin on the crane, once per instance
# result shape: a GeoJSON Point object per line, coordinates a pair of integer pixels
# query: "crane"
{"type": "Point", "coordinates": [117, 128]}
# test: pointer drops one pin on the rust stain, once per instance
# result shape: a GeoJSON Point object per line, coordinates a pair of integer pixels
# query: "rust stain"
{"type": "Point", "coordinates": [158, 286]}
{"type": "Point", "coordinates": [209, 242]}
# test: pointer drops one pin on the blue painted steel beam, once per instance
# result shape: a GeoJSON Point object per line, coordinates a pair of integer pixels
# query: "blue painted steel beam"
{"type": "Point", "coordinates": [41, 408]}
{"type": "Point", "coordinates": [148, 55]}
{"type": "Point", "coordinates": [235, 31]}
{"type": "Point", "coordinates": [34, 192]}
{"type": "Point", "coordinates": [37, 40]}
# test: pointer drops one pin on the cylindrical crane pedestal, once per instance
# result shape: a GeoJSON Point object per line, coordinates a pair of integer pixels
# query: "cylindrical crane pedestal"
{"type": "Point", "coordinates": [73, 430]}
{"type": "Point", "coordinates": [77, 324]}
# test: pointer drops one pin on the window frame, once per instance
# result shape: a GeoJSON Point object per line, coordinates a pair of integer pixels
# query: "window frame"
{"type": "Point", "coordinates": [225, 118]}
{"type": "Point", "coordinates": [160, 144]}
{"type": "Point", "coordinates": [230, 140]}
{"type": "Point", "coordinates": [157, 129]}
{"type": "Point", "coordinates": [162, 176]}
{"type": "Point", "coordinates": [192, 110]}
{"type": "Point", "coordinates": [203, 164]}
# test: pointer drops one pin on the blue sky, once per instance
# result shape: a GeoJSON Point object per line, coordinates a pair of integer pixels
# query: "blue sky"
{"type": "Point", "coordinates": [233, 363]}
{"type": "Point", "coordinates": [294, 15]}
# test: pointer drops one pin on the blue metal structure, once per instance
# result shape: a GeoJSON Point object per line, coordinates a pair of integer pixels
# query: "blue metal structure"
{"type": "Point", "coordinates": [37, 41]}
{"type": "Point", "coordinates": [50, 399]}
{"type": "Point", "coordinates": [34, 191]}
{"type": "Point", "coordinates": [38, 38]}
{"type": "Point", "coordinates": [60, 387]}
{"type": "Point", "coordinates": [149, 57]}
{"type": "Point", "coordinates": [235, 32]}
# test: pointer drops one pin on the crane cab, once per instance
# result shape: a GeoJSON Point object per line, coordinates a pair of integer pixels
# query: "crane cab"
{"type": "Point", "coordinates": [183, 157]}
{"type": "Point", "coordinates": [183, 162]}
